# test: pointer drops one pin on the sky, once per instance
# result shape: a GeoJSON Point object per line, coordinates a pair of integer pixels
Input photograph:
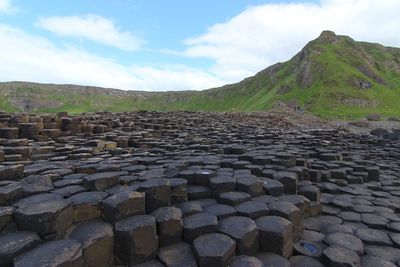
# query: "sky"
{"type": "Point", "coordinates": [158, 45]}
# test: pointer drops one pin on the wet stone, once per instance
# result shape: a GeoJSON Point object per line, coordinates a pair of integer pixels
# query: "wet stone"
{"type": "Point", "coordinates": [169, 225]}
{"type": "Point", "coordinates": [122, 205]}
{"type": "Point", "coordinates": [136, 239]}
{"type": "Point", "coordinates": [308, 248]}
{"type": "Point", "coordinates": [199, 224]}
{"type": "Point", "coordinates": [244, 231]}
{"type": "Point", "coordinates": [97, 240]}
{"type": "Point", "coordinates": [54, 253]}
{"type": "Point", "coordinates": [14, 244]}
{"type": "Point", "coordinates": [276, 235]}
{"type": "Point", "coordinates": [49, 219]}
{"type": "Point", "coordinates": [214, 250]}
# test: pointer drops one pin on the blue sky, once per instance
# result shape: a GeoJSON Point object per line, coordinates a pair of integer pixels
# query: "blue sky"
{"type": "Point", "coordinates": [176, 44]}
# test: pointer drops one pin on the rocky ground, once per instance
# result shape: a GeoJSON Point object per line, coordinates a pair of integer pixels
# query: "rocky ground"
{"type": "Point", "coordinates": [196, 189]}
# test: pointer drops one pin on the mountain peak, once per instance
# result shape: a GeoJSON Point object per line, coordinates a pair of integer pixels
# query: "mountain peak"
{"type": "Point", "coordinates": [327, 37]}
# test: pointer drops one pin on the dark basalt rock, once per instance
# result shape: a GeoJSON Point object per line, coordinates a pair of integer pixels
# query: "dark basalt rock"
{"type": "Point", "coordinates": [199, 224]}
{"type": "Point", "coordinates": [179, 255]}
{"type": "Point", "coordinates": [15, 244]}
{"type": "Point", "coordinates": [49, 219]}
{"type": "Point", "coordinates": [212, 250]}
{"type": "Point", "coordinates": [136, 239]}
{"type": "Point", "coordinates": [276, 235]}
{"type": "Point", "coordinates": [169, 225]}
{"type": "Point", "coordinates": [122, 205]}
{"type": "Point", "coordinates": [244, 231]}
{"type": "Point", "coordinates": [97, 240]}
{"type": "Point", "coordinates": [54, 253]}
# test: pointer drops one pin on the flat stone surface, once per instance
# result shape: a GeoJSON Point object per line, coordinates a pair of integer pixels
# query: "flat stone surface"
{"type": "Point", "coordinates": [276, 235]}
{"type": "Point", "coordinates": [345, 240]}
{"type": "Point", "coordinates": [49, 219]}
{"type": "Point", "coordinates": [136, 239]}
{"type": "Point", "coordinates": [340, 256]}
{"type": "Point", "coordinates": [245, 260]}
{"type": "Point", "coordinates": [373, 237]}
{"type": "Point", "coordinates": [97, 240]}
{"type": "Point", "coordinates": [15, 244]}
{"type": "Point", "coordinates": [214, 250]}
{"type": "Point", "coordinates": [54, 253]}
{"type": "Point", "coordinates": [244, 231]}
{"type": "Point", "coordinates": [199, 224]}
{"type": "Point", "coordinates": [179, 254]}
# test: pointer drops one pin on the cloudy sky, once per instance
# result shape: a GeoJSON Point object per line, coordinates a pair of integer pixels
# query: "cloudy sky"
{"type": "Point", "coordinates": [163, 45]}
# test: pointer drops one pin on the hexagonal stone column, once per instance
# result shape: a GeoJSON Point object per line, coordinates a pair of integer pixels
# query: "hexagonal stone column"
{"type": "Point", "coordinates": [198, 224]}
{"type": "Point", "coordinates": [340, 256]}
{"type": "Point", "coordinates": [87, 205]}
{"type": "Point", "coordinates": [214, 250]}
{"type": "Point", "coordinates": [244, 260]}
{"type": "Point", "coordinates": [122, 205]}
{"type": "Point", "coordinates": [178, 190]}
{"type": "Point", "coordinates": [249, 184]}
{"type": "Point", "coordinates": [158, 193]}
{"type": "Point", "coordinates": [179, 254]}
{"type": "Point", "coordinates": [169, 225]}
{"type": "Point", "coordinates": [14, 244]}
{"type": "Point", "coordinates": [244, 231]}
{"type": "Point", "coordinates": [136, 239]}
{"type": "Point", "coordinates": [100, 181]}
{"type": "Point", "coordinates": [289, 181]}
{"type": "Point", "coordinates": [276, 235]}
{"type": "Point", "coordinates": [54, 253]}
{"type": "Point", "coordinates": [97, 240]}
{"type": "Point", "coordinates": [49, 219]}
{"type": "Point", "coordinates": [291, 212]}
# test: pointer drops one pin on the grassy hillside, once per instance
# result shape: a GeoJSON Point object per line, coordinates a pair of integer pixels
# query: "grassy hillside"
{"type": "Point", "coordinates": [332, 76]}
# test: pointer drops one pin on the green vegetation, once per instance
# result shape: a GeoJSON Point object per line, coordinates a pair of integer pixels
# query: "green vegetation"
{"type": "Point", "coordinates": [333, 76]}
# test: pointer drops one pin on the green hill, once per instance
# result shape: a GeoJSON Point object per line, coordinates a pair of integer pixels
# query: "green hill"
{"type": "Point", "coordinates": [331, 76]}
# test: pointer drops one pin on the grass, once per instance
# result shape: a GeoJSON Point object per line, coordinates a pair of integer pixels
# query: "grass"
{"type": "Point", "coordinates": [332, 70]}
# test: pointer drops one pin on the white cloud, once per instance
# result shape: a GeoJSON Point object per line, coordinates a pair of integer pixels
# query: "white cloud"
{"type": "Point", "coordinates": [263, 35]}
{"type": "Point", "coordinates": [6, 7]}
{"type": "Point", "coordinates": [92, 27]}
{"type": "Point", "coordinates": [25, 57]}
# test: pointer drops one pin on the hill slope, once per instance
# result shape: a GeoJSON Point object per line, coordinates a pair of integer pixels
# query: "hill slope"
{"type": "Point", "coordinates": [331, 76]}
